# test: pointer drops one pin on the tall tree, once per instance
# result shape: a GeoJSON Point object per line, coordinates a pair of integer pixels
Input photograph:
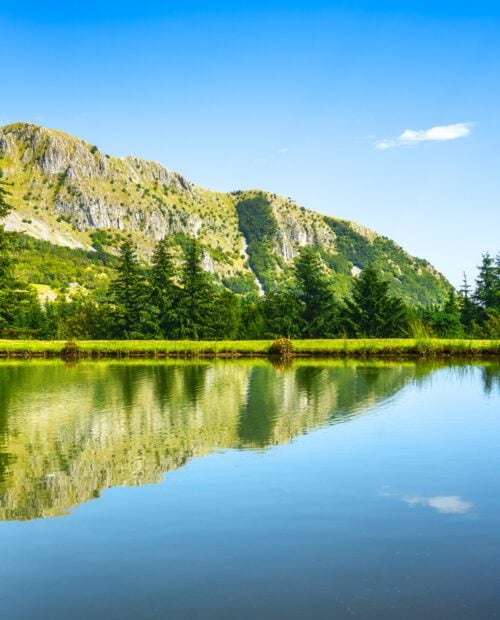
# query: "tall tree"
{"type": "Point", "coordinates": [197, 300]}
{"type": "Point", "coordinates": [319, 311]}
{"type": "Point", "coordinates": [164, 290]}
{"type": "Point", "coordinates": [468, 309]}
{"type": "Point", "coordinates": [487, 293]}
{"type": "Point", "coordinates": [372, 311]}
{"type": "Point", "coordinates": [131, 312]}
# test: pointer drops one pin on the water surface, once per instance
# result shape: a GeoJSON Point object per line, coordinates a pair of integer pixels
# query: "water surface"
{"type": "Point", "coordinates": [242, 490]}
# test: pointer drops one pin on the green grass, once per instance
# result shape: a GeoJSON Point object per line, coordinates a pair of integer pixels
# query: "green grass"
{"type": "Point", "coordinates": [391, 347]}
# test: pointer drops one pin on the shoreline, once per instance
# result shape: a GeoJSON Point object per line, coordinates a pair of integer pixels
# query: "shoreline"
{"type": "Point", "coordinates": [335, 348]}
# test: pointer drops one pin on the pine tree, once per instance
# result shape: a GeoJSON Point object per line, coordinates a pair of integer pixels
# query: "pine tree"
{"type": "Point", "coordinates": [487, 296]}
{"type": "Point", "coordinates": [372, 312]}
{"type": "Point", "coordinates": [164, 291]}
{"type": "Point", "coordinates": [319, 311]}
{"type": "Point", "coordinates": [468, 309]}
{"type": "Point", "coordinates": [197, 301]}
{"type": "Point", "coordinates": [487, 293]}
{"type": "Point", "coordinates": [131, 312]}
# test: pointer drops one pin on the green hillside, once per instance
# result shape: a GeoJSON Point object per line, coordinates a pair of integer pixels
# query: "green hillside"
{"type": "Point", "coordinates": [74, 205]}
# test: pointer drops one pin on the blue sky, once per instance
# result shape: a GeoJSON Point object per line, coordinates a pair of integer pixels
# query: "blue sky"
{"type": "Point", "coordinates": [386, 112]}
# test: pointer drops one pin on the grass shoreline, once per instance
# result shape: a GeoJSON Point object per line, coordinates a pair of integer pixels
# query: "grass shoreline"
{"type": "Point", "coordinates": [376, 347]}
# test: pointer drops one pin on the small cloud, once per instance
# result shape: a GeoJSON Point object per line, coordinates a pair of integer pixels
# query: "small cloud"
{"type": "Point", "coordinates": [446, 504]}
{"type": "Point", "coordinates": [440, 133]}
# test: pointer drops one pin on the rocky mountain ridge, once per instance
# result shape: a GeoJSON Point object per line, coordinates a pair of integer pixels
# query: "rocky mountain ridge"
{"type": "Point", "coordinates": [69, 193]}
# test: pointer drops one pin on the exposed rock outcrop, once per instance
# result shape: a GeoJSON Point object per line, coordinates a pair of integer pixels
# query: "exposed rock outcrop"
{"type": "Point", "coordinates": [63, 190]}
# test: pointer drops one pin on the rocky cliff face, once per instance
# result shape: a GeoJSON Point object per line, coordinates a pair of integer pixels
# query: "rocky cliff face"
{"type": "Point", "coordinates": [64, 190]}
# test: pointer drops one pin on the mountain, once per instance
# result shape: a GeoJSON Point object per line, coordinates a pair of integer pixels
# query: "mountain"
{"type": "Point", "coordinates": [68, 194]}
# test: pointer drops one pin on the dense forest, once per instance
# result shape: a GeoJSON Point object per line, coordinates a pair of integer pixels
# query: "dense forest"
{"type": "Point", "coordinates": [175, 298]}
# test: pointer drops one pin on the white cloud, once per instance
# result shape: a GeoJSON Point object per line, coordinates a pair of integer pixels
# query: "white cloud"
{"type": "Point", "coordinates": [440, 133]}
{"type": "Point", "coordinates": [448, 504]}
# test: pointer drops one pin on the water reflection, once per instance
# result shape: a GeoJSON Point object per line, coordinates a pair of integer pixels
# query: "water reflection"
{"type": "Point", "coordinates": [67, 433]}
{"type": "Point", "coordinates": [491, 378]}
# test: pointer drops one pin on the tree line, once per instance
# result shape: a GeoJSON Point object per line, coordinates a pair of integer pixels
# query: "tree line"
{"type": "Point", "coordinates": [175, 298]}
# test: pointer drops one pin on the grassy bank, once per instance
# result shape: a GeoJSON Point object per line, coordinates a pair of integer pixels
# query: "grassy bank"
{"type": "Point", "coordinates": [391, 347]}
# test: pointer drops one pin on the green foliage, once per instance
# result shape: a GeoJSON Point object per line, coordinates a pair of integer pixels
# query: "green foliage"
{"type": "Point", "coordinates": [282, 347]}
{"type": "Point", "coordinates": [242, 284]}
{"type": "Point", "coordinates": [4, 205]}
{"type": "Point", "coordinates": [282, 313]}
{"type": "Point", "coordinates": [42, 262]}
{"type": "Point", "coordinates": [204, 310]}
{"type": "Point", "coordinates": [80, 317]}
{"type": "Point", "coordinates": [487, 294]}
{"type": "Point", "coordinates": [445, 321]}
{"type": "Point", "coordinates": [168, 301]}
{"type": "Point", "coordinates": [408, 278]}
{"type": "Point", "coordinates": [252, 324]}
{"type": "Point", "coordinates": [350, 244]}
{"type": "Point", "coordinates": [131, 313]}
{"type": "Point", "coordinates": [491, 325]}
{"type": "Point", "coordinates": [468, 309]}
{"type": "Point", "coordinates": [371, 311]}
{"type": "Point", "coordinates": [306, 306]}
{"type": "Point", "coordinates": [16, 298]}
{"type": "Point", "coordinates": [165, 293]}
{"type": "Point", "coordinates": [258, 225]}
{"type": "Point", "coordinates": [314, 291]}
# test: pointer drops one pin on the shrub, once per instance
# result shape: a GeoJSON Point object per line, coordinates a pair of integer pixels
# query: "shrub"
{"type": "Point", "coordinates": [283, 347]}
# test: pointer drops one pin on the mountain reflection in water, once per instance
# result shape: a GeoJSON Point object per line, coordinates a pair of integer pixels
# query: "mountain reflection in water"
{"type": "Point", "coordinates": [68, 432]}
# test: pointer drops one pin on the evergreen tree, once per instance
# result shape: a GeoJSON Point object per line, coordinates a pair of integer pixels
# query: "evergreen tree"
{"type": "Point", "coordinates": [446, 321]}
{"type": "Point", "coordinates": [487, 293]}
{"type": "Point", "coordinates": [164, 291]}
{"type": "Point", "coordinates": [468, 309]}
{"type": "Point", "coordinates": [487, 297]}
{"type": "Point", "coordinates": [131, 313]}
{"type": "Point", "coordinates": [372, 311]}
{"type": "Point", "coordinates": [197, 300]}
{"type": "Point", "coordinates": [283, 313]}
{"type": "Point", "coordinates": [319, 311]}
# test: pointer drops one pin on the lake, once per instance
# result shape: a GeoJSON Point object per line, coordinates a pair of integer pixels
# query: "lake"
{"type": "Point", "coordinates": [213, 490]}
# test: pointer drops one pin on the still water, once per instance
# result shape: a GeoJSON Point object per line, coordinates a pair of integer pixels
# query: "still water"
{"type": "Point", "coordinates": [322, 490]}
